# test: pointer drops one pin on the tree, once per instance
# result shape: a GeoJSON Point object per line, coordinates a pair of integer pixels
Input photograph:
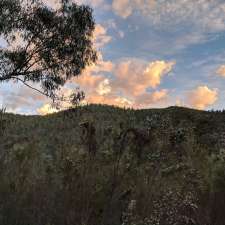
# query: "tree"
{"type": "Point", "coordinates": [56, 44]}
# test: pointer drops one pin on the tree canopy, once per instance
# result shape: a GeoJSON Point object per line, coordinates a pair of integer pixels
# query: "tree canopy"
{"type": "Point", "coordinates": [55, 44]}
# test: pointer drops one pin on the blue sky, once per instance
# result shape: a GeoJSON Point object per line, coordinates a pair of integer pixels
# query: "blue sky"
{"type": "Point", "coordinates": [152, 53]}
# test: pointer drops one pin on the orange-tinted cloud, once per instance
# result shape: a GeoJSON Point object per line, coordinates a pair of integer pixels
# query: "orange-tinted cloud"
{"type": "Point", "coordinates": [127, 86]}
{"type": "Point", "coordinates": [155, 71]}
{"type": "Point", "coordinates": [92, 77]}
{"type": "Point", "coordinates": [221, 71]}
{"type": "Point", "coordinates": [109, 100]}
{"type": "Point", "coordinates": [202, 97]}
{"type": "Point", "coordinates": [100, 66]}
{"type": "Point", "coordinates": [101, 37]}
{"type": "Point", "coordinates": [133, 78]}
{"type": "Point", "coordinates": [122, 8]}
{"type": "Point", "coordinates": [88, 81]}
{"type": "Point", "coordinates": [148, 99]}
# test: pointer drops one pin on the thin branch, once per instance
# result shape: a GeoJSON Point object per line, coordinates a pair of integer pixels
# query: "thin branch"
{"type": "Point", "coordinates": [41, 92]}
{"type": "Point", "coordinates": [35, 89]}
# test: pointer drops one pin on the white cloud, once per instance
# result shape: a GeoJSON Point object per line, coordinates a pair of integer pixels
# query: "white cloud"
{"type": "Point", "coordinates": [205, 14]}
{"type": "Point", "coordinates": [20, 97]}
{"type": "Point", "coordinates": [190, 21]}
{"type": "Point", "coordinates": [55, 4]}
{"type": "Point", "coordinates": [123, 101]}
{"type": "Point", "coordinates": [104, 87]}
{"type": "Point", "coordinates": [46, 109]}
{"type": "Point", "coordinates": [125, 8]}
{"type": "Point", "coordinates": [121, 34]}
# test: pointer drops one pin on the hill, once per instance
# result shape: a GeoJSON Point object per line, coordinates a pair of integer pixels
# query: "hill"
{"type": "Point", "coordinates": [102, 165]}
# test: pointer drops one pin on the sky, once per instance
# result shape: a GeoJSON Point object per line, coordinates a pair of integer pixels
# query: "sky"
{"type": "Point", "coordinates": [152, 53]}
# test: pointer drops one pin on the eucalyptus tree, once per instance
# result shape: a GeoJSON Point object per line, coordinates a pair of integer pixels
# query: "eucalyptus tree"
{"type": "Point", "coordinates": [52, 45]}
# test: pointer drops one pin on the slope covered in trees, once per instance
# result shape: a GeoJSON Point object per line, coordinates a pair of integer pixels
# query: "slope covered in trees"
{"type": "Point", "coordinates": [104, 165]}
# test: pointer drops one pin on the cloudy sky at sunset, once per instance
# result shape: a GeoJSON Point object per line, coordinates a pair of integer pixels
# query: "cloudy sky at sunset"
{"type": "Point", "coordinates": [152, 53]}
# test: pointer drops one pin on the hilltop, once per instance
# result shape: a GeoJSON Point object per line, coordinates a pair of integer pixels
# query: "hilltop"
{"type": "Point", "coordinates": [105, 165]}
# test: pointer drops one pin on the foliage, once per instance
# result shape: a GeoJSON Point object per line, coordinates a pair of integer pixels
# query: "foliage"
{"type": "Point", "coordinates": [103, 165]}
{"type": "Point", "coordinates": [55, 45]}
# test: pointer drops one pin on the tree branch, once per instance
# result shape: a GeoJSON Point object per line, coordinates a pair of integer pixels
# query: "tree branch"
{"type": "Point", "coordinates": [41, 92]}
{"type": "Point", "coordinates": [35, 89]}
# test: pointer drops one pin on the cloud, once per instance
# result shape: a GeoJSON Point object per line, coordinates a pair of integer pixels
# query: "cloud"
{"type": "Point", "coordinates": [13, 101]}
{"type": "Point", "coordinates": [94, 75]}
{"type": "Point", "coordinates": [155, 71]}
{"type": "Point", "coordinates": [109, 100]}
{"type": "Point", "coordinates": [121, 34]}
{"type": "Point", "coordinates": [221, 71]}
{"type": "Point", "coordinates": [122, 101]}
{"type": "Point", "coordinates": [89, 81]}
{"type": "Point", "coordinates": [125, 8]}
{"type": "Point", "coordinates": [55, 4]}
{"type": "Point", "coordinates": [179, 102]}
{"type": "Point", "coordinates": [147, 99]}
{"type": "Point", "coordinates": [123, 83]}
{"type": "Point", "coordinates": [95, 3]}
{"type": "Point", "coordinates": [20, 97]}
{"type": "Point", "coordinates": [187, 22]}
{"type": "Point", "coordinates": [92, 2]}
{"type": "Point", "coordinates": [202, 97]}
{"type": "Point", "coordinates": [101, 65]}
{"type": "Point", "coordinates": [101, 38]}
{"type": "Point", "coordinates": [133, 77]}
{"type": "Point", "coordinates": [104, 87]}
{"type": "Point", "coordinates": [122, 8]}
{"type": "Point", "coordinates": [128, 83]}
{"type": "Point", "coordinates": [46, 109]}
{"type": "Point", "coordinates": [192, 38]}
{"type": "Point", "coordinates": [112, 25]}
{"type": "Point", "coordinates": [204, 14]}
{"type": "Point", "coordinates": [92, 81]}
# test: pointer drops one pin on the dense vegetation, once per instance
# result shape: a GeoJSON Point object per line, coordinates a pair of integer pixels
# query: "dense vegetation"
{"type": "Point", "coordinates": [100, 165]}
{"type": "Point", "coordinates": [46, 46]}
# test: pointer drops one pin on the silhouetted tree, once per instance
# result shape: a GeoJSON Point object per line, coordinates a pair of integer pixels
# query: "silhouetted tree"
{"type": "Point", "coordinates": [55, 44]}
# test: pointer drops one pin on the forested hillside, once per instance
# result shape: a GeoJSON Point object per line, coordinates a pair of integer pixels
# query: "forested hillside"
{"type": "Point", "coordinates": [101, 165]}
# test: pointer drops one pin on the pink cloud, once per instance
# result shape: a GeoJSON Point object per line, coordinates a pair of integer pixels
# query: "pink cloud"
{"type": "Point", "coordinates": [221, 71]}
{"type": "Point", "coordinates": [201, 97]}
{"type": "Point", "coordinates": [133, 77]}
{"type": "Point", "coordinates": [101, 38]}
{"type": "Point", "coordinates": [147, 99]}
{"type": "Point", "coordinates": [128, 85]}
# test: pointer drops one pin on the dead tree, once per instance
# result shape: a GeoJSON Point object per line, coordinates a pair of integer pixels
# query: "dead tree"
{"type": "Point", "coordinates": [88, 136]}
{"type": "Point", "coordinates": [2, 121]}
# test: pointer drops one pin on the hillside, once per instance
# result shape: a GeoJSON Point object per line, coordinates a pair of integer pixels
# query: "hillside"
{"type": "Point", "coordinates": [101, 165]}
